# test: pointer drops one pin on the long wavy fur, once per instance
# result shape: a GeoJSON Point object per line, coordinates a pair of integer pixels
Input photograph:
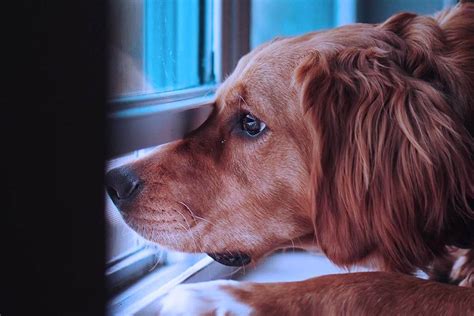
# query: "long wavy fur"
{"type": "Point", "coordinates": [393, 173]}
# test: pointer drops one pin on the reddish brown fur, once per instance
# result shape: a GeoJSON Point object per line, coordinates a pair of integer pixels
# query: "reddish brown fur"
{"type": "Point", "coordinates": [367, 155]}
{"type": "Point", "coordinates": [369, 293]}
{"type": "Point", "coordinates": [394, 163]}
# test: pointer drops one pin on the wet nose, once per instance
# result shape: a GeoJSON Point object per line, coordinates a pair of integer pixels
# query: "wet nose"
{"type": "Point", "coordinates": [122, 184]}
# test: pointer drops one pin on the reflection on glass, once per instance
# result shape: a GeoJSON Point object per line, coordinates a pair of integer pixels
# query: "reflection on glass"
{"type": "Point", "coordinates": [159, 45]}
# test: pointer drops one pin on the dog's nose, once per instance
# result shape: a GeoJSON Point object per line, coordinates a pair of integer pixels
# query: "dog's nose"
{"type": "Point", "coordinates": [122, 184]}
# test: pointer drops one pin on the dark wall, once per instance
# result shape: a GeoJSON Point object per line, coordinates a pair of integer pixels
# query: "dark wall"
{"type": "Point", "coordinates": [53, 140]}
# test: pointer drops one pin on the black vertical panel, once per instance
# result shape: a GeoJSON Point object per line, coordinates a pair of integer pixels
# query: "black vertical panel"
{"type": "Point", "coordinates": [53, 127]}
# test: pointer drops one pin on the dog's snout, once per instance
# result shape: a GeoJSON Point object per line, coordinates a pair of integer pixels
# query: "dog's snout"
{"type": "Point", "coordinates": [122, 184]}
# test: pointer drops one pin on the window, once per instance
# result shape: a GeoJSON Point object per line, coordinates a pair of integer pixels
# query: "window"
{"type": "Point", "coordinates": [159, 46]}
{"type": "Point", "coordinates": [271, 18]}
{"type": "Point", "coordinates": [373, 11]}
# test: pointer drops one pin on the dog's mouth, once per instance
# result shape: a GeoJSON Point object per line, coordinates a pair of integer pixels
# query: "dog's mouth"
{"type": "Point", "coordinates": [233, 259]}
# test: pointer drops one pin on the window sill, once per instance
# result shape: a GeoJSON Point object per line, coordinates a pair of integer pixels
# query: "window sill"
{"type": "Point", "coordinates": [141, 298]}
{"type": "Point", "coordinates": [155, 123]}
{"type": "Point", "coordinates": [287, 266]}
{"type": "Point", "coordinates": [279, 267]}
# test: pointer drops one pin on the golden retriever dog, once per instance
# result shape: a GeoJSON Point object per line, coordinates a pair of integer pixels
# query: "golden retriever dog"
{"type": "Point", "coordinates": [357, 142]}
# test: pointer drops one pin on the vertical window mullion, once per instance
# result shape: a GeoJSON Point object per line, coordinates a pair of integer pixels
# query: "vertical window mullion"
{"type": "Point", "coordinates": [234, 33]}
{"type": "Point", "coordinates": [206, 56]}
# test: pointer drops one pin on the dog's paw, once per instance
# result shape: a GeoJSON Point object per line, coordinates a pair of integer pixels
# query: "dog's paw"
{"type": "Point", "coordinates": [207, 298]}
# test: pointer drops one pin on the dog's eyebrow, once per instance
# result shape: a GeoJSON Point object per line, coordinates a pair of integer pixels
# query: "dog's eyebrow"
{"type": "Point", "coordinates": [242, 99]}
{"type": "Point", "coordinates": [236, 95]}
{"type": "Point", "coordinates": [240, 92]}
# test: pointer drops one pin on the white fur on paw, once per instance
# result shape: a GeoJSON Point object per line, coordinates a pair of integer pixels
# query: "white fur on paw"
{"type": "Point", "coordinates": [207, 298]}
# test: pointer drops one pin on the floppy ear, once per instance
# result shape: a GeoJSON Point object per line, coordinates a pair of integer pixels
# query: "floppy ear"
{"type": "Point", "coordinates": [392, 160]}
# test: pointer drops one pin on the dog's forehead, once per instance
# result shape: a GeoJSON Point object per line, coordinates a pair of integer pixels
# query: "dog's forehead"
{"type": "Point", "coordinates": [259, 83]}
{"type": "Point", "coordinates": [263, 80]}
{"type": "Point", "coordinates": [233, 95]}
{"type": "Point", "coordinates": [246, 97]}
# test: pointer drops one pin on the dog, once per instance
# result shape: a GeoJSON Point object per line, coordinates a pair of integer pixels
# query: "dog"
{"type": "Point", "coordinates": [355, 141]}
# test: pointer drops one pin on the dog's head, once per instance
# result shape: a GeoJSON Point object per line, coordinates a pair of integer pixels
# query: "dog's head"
{"type": "Point", "coordinates": [344, 138]}
{"type": "Point", "coordinates": [239, 184]}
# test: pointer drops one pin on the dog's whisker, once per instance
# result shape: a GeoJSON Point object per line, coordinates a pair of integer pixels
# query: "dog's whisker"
{"type": "Point", "coordinates": [191, 235]}
{"type": "Point", "coordinates": [241, 98]}
{"type": "Point", "coordinates": [205, 220]}
{"type": "Point", "coordinates": [188, 208]}
{"type": "Point", "coordinates": [194, 215]}
{"type": "Point", "coordinates": [184, 217]}
{"type": "Point", "coordinates": [159, 260]}
{"type": "Point", "coordinates": [188, 230]}
{"type": "Point", "coordinates": [177, 243]}
{"type": "Point", "coordinates": [232, 272]}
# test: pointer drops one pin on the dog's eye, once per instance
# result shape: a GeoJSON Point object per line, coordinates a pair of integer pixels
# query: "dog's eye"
{"type": "Point", "coordinates": [252, 125]}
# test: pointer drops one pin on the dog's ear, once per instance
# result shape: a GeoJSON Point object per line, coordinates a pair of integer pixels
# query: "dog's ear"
{"type": "Point", "coordinates": [391, 158]}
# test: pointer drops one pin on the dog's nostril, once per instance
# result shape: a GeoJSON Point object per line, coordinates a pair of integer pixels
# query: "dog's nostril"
{"type": "Point", "coordinates": [112, 193]}
{"type": "Point", "coordinates": [122, 184]}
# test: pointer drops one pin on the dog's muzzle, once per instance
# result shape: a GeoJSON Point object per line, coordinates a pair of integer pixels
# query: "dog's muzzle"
{"type": "Point", "coordinates": [234, 259]}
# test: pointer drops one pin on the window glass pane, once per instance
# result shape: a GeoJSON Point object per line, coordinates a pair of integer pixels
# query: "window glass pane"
{"type": "Point", "coordinates": [375, 11]}
{"type": "Point", "coordinates": [271, 18]}
{"type": "Point", "coordinates": [160, 45]}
